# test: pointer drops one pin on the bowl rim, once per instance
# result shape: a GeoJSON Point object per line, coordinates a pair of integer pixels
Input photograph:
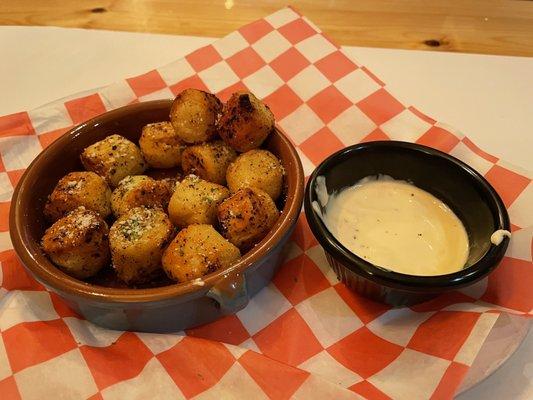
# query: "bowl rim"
{"type": "Point", "coordinates": [397, 280]}
{"type": "Point", "coordinates": [53, 277]}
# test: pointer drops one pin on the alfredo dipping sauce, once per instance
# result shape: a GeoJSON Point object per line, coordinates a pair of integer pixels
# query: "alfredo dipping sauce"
{"type": "Point", "coordinates": [395, 225]}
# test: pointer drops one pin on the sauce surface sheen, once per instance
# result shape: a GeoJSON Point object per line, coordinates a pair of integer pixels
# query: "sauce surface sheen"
{"type": "Point", "coordinates": [395, 225]}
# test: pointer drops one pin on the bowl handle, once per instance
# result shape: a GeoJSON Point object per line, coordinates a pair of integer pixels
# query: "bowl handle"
{"type": "Point", "coordinates": [230, 293]}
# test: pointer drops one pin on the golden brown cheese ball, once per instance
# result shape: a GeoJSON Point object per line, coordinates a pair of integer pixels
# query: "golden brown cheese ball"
{"type": "Point", "coordinates": [161, 146]}
{"type": "Point", "coordinates": [245, 122]}
{"type": "Point", "coordinates": [197, 251]}
{"type": "Point", "coordinates": [78, 243]}
{"type": "Point", "coordinates": [137, 240]}
{"type": "Point", "coordinates": [246, 217]}
{"type": "Point", "coordinates": [194, 114]}
{"type": "Point", "coordinates": [139, 190]}
{"type": "Point", "coordinates": [195, 201]}
{"type": "Point", "coordinates": [259, 169]}
{"type": "Point", "coordinates": [77, 189]}
{"type": "Point", "coordinates": [113, 158]}
{"type": "Point", "coordinates": [209, 161]}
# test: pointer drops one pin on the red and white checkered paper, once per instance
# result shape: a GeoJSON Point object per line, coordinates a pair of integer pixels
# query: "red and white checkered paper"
{"type": "Point", "coordinates": [306, 335]}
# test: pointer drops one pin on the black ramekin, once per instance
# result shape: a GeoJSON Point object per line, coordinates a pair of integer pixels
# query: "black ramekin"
{"type": "Point", "coordinates": [458, 185]}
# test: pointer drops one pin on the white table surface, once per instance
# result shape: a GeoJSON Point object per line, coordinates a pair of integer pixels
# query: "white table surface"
{"type": "Point", "coordinates": [488, 98]}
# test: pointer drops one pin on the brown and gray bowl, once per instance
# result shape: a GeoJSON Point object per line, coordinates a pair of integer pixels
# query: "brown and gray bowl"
{"type": "Point", "coordinates": [168, 308]}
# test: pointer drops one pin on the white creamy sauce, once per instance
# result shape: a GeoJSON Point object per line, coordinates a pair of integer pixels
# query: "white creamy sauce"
{"type": "Point", "coordinates": [497, 237]}
{"type": "Point", "coordinates": [395, 225]}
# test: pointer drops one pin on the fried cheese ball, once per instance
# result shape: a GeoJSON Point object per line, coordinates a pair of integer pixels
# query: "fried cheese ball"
{"type": "Point", "coordinates": [137, 240]}
{"type": "Point", "coordinates": [197, 251]}
{"type": "Point", "coordinates": [194, 114]}
{"type": "Point", "coordinates": [113, 158]}
{"type": "Point", "coordinates": [246, 217]}
{"type": "Point", "coordinates": [245, 122]}
{"type": "Point", "coordinates": [78, 243]}
{"type": "Point", "coordinates": [195, 201]}
{"type": "Point", "coordinates": [77, 189]}
{"type": "Point", "coordinates": [209, 161]}
{"type": "Point", "coordinates": [258, 169]}
{"type": "Point", "coordinates": [139, 190]}
{"type": "Point", "coordinates": [161, 146]}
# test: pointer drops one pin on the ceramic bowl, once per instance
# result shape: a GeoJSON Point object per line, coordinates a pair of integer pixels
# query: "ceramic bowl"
{"type": "Point", "coordinates": [459, 186]}
{"type": "Point", "coordinates": [167, 308]}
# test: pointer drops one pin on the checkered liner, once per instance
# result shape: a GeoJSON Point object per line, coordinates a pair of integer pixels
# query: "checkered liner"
{"type": "Point", "coordinates": [305, 335]}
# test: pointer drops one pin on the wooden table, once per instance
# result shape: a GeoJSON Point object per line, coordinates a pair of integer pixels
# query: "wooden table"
{"type": "Point", "coordinates": [475, 26]}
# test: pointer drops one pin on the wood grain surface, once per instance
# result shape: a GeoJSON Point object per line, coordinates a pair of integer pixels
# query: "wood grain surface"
{"type": "Point", "coordinates": [475, 26]}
